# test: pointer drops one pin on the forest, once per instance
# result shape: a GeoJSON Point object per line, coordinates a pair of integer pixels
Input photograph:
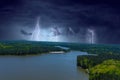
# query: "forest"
{"type": "Point", "coordinates": [26, 48]}
{"type": "Point", "coordinates": [102, 64]}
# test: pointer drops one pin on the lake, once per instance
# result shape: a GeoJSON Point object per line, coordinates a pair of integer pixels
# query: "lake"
{"type": "Point", "coordinates": [42, 67]}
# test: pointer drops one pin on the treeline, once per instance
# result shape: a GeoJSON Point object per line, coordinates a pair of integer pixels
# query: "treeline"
{"type": "Point", "coordinates": [26, 48]}
{"type": "Point", "coordinates": [103, 62]}
{"type": "Point", "coordinates": [88, 61]}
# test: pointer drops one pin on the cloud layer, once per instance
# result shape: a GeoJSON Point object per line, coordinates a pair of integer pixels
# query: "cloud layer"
{"type": "Point", "coordinates": [74, 16]}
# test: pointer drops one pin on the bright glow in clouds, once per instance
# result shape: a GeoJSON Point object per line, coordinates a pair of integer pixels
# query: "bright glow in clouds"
{"type": "Point", "coordinates": [40, 34]}
{"type": "Point", "coordinates": [57, 34]}
{"type": "Point", "coordinates": [71, 30]}
{"type": "Point", "coordinates": [36, 33]}
{"type": "Point", "coordinates": [91, 36]}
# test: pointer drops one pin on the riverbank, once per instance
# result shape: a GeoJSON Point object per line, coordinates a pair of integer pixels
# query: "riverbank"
{"type": "Point", "coordinates": [28, 48]}
{"type": "Point", "coordinates": [57, 52]}
{"type": "Point", "coordinates": [107, 57]}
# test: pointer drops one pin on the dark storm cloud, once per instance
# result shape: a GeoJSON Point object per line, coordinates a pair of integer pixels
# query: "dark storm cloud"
{"type": "Point", "coordinates": [74, 15]}
{"type": "Point", "coordinates": [25, 33]}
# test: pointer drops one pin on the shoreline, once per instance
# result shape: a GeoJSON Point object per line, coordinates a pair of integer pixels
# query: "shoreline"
{"type": "Point", "coordinates": [57, 52]}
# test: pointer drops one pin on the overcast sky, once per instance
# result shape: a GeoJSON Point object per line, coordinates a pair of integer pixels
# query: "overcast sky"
{"type": "Point", "coordinates": [74, 17]}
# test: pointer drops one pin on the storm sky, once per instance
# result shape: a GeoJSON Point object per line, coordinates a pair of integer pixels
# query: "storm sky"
{"type": "Point", "coordinates": [70, 19]}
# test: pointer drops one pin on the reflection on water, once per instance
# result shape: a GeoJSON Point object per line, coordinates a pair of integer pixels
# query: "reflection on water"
{"type": "Point", "coordinates": [42, 67]}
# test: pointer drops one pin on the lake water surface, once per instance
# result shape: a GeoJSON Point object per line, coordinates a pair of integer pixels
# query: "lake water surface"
{"type": "Point", "coordinates": [42, 67]}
